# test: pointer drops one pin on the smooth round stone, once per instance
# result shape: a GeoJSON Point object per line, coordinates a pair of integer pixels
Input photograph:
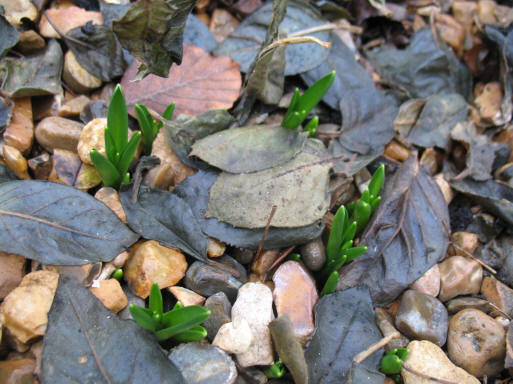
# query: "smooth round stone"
{"type": "Point", "coordinates": [57, 132]}
{"type": "Point", "coordinates": [313, 254]}
{"type": "Point", "coordinates": [76, 77]}
{"type": "Point", "coordinates": [459, 276]}
{"type": "Point", "coordinates": [461, 303]}
{"type": "Point", "coordinates": [220, 313]}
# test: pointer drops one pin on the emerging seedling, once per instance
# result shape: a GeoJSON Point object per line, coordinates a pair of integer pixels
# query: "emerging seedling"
{"type": "Point", "coordinates": [301, 105]}
{"type": "Point", "coordinates": [275, 371]}
{"type": "Point", "coordinates": [181, 323]}
{"type": "Point", "coordinates": [113, 169]}
{"type": "Point", "coordinates": [392, 363]}
{"type": "Point", "coordinates": [149, 127]}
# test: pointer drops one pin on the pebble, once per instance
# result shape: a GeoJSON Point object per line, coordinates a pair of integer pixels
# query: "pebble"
{"type": "Point", "coordinates": [477, 343]}
{"type": "Point", "coordinates": [243, 256]}
{"type": "Point", "coordinates": [41, 166]}
{"type": "Point", "coordinates": [76, 77]}
{"type": "Point", "coordinates": [19, 371]}
{"type": "Point", "coordinates": [92, 137]}
{"type": "Point", "coordinates": [110, 294]}
{"type": "Point", "coordinates": [465, 240]}
{"type": "Point", "coordinates": [83, 274]}
{"type": "Point", "coordinates": [26, 307]}
{"type": "Point", "coordinates": [251, 375]}
{"type": "Point", "coordinates": [186, 296]}
{"type": "Point", "coordinates": [429, 359]}
{"type": "Point", "coordinates": [461, 303]}
{"type": "Point", "coordinates": [30, 42]}
{"type": "Point", "coordinates": [450, 31]}
{"type": "Point", "coordinates": [171, 171]}
{"type": "Point", "coordinates": [422, 317]}
{"type": "Point", "coordinates": [508, 363]}
{"type": "Point", "coordinates": [57, 132]}
{"type": "Point", "coordinates": [15, 161]}
{"type": "Point", "coordinates": [429, 282]}
{"type": "Point", "coordinates": [486, 11]}
{"type": "Point", "coordinates": [151, 262]}
{"type": "Point", "coordinates": [207, 280]}
{"type": "Point", "coordinates": [262, 262]}
{"type": "Point", "coordinates": [396, 151]}
{"type": "Point", "coordinates": [215, 248]}
{"type": "Point", "coordinates": [203, 364]}
{"type": "Point", "coordinates": [65, 19]}
{"type": "Point", "coordinates": [459, 276]}
{"type": "Point", "coordinates": [385, 323]}
{"type": "Point", "coordinates": [295, 295]}
{"type": "Point", "coordinates": [499, 294]}
{"type": "Point", "coordinates": [255, 305]}
{"type": "Point", "coordinates": [489, 102]}
{"type": "Point", "coordinates": [220, 313]}
{"type": "Point", "coordinates": [74, 107]}
{"type": "Point", "coordinates": [65, 167]}
{"type": "Point", "coordinates": [222, 24]}
{"type": "Point", "coordinates": [12, 268]}
{"type": "Point", "coordinates": [313, 254]}
{"type": "Point", "coordinates": [444, 186]}
{"type": "Point", "coordinates": [87, 178]}
{"type": "Point", "coordinates": [110, 197]}
{"type": "Point", "coordinates": [20, 131]}
{"type": "Point", "coordinates": [234, 337]}
{"type": "Point", "coordinates": [430, 160]}
{"type": "Point", "coordinates": [15, 10]}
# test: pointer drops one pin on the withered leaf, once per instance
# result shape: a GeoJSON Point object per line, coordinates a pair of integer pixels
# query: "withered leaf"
{"type": "Point", "coordinates": [9, 36]}
{"type": "Point", "coordinates": [86, 343]}
{"type": "Point", "coordinates": [197, 33]}
{"type": "Point", "coordinates": [153, 32]}
{"type": "Point", "coordinates": [34, 75]}
{"type": "Point", "coordinates": [249, 149]}
{"type": "Point", "coordinates": [59, 225]}
{"type": "Point", "coordinates": [201, 83]}
{"type": "Point", "coordinates": [298, 188]}
{"type": "Point", "coordinates": [406, 236]}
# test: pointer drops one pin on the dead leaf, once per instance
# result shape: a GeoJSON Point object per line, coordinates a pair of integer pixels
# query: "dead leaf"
{"type": "Point", "coordinates": [201, 83]}
{"type": "Point", "coordinates": [65, 19]}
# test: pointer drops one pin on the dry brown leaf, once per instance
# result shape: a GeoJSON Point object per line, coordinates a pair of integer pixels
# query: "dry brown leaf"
{"type": "Point", "coordinates": [200, 83]}
{"type": "Point", "coordinates": [65, 19]}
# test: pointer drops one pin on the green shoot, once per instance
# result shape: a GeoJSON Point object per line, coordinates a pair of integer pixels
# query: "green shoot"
{"type": "Point", "coordinates": [117, 274]}
{"type": "Point", "coordinates": [275, 371]}
{"type": "Point", "coordinates": [120, 152]}
{"type": "Point", "coordinates": [331, 284]}
{"type": "Point", "coordinates": [392, 363]}
{"type": "Point", "coordinates": [149, 127]}
{"type": "Point", "coordinates": [181, 323]}
{"type": "Point", "coordinates": [301, 105]}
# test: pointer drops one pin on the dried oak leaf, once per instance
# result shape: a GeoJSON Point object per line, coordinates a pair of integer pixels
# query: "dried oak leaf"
{"type": "Point", "coordinates": [201, 83]}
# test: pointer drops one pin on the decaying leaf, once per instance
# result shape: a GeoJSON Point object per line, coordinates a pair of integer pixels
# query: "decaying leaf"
{"type": "Point", "coordinates": [407, 116]}
{"type": "Point", "coordinates": [163, 216]}
{"type": "Point", "coordinates": [9, 36]}
{"type": "Point", "coordinates": [195, 191]}
{"type": "Point", "coordinates": [298, 188]}
{"type": "Point", "coordinates": [59, 225]}
{"type": "Point", "coordinates": [249, 149]}
{"type": "Point", "coordinates": [406, 236]}
{"type": "Point", "coordinates": [86, 343]}
{"type": "Point", "coordinates": [426, 67]}
{"type": "Point", "coordinates": [6, 108]}
{"type": "Point", "coordinates": [34, 75]}
{"type": "Point", "coordinates": [244, 43]}
{"type": "Point", "coordinates": [344, 327]}
{"type": "Point", "coordinates": [153, 32]}
{"type": "Point", "coordinates": [197, 33]}
{"type": "Point", "coordinates": [185, 130]}
{"type": "Point", "coordinates": [201, 83]}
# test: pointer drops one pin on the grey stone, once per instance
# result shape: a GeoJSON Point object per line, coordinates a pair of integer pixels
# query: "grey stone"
{"type": "Point", "coordinates": [313, 254]}
{"type": "Point", "coordinates": [220, 313]}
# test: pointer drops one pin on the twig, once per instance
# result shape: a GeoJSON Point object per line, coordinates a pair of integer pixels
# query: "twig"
{"type": "Point", "coordinates": [283, 255]}
{"type": "Point", "coordinates": [329, 27]}
{"type": "Point", "coordinates": [467, 253]}
{"type": "Point", "coordinates": [381, 7]}
{"type": "Point", "coordinates": [145, 163]}
{"type": "Point", "coordinates": [499, 310]}
{"type": "Point", "coordinates": [76, 41]}
{"type": "Point", "coordinates": [261, 245]}
{"type": "Point", "coordinates": [293, 40]}
{"type": "Point", "coordinates": [374, 347]}
{"type": "Point", "coordinates": [424, 376]}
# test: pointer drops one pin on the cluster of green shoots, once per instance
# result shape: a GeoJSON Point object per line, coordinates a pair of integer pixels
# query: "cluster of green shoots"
{"type": "Point", "coordinates": [120, 152]}
{"type": "Point", "coordinates": [347, 224]}
{"type": "Point", "coordinates": [392, 363]}
{"type": "Point", "coordinates": [181, 324]}
{"type": "Point", "coordinates": [301, 105]}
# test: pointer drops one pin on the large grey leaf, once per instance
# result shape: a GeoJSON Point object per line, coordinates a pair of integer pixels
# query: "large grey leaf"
{"type": "Point", "coordinates": [298, 188]}
{"type": "Point", "coordinates": [59, 225]}
{"type": "Point", "coordinates": [407, 235]}
{"type": "Point", "coordinates": [165, 217]}
{"type": "Point", "coordinates": [9, 36]}
{"type": "Point", "coordinates": [195, 191]}
{"type": "Point", "coordinates": [198, 34]}
{"type": "Point", "coordinates": [426, 67]}
{"type": "Point", "coordinates": [34, 75]}
{"type": "Point", "coordinates": [344, 327]}
{"type": "Point", "coordinates": [85, 343]}
{"type": "Point", "coordinates": [249, 149]}
{"type": "Point", "coordinates": [245, 41]}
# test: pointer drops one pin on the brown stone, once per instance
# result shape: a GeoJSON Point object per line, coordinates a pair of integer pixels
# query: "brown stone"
{"type": "Point", "coordinates": [429, 282]}
{"type": "Point", "coordinates": [489, 102]}
{"type": "Point", "coordinates": [486, 10]}
{"type": "Point", "coordinates": [498, 294]}
{"type": "Point", "coordinates": [222, 24]}
{"type": "Point", "coordinates": [215, 248]}
{"type": "Point", "coordinates": [459, 276]}
{"type": "Point", "coordinates": [87, 177]}
{"type": "Point", "coordinates": [385, 323]}
{"type": "Point", "coordinates": [41, 166]}
{"type": "Point", "coordinates": [186, 296]}
{"type": "Point", "coordinates": [444, 187]}
{"type": "Point", "coordinates": [83, 274]}
{"type": "Point", "coordinates": [12, 269]}
{"type": "Point", "coordinates": [15, 10]}
{"type": "Point", "coordinates": [26, 307]}
{"type": "Point", "coordinates": [65, 167]}
{"type": "Point", "coordinates": [92, 137]}
{"type": "Point", "coordinates": [295, 295]}
{"type": "Point", "coordinates": [73, 107]}
{"type": "Point", "coordinates": [461, 303]}
{"type": "Point", "coordinates": [150, 263]}
{"type": "Point", "coordinates": [20, 131]}
{"type": "Point", "coordinates": [263, 262]}
{"type": "Point", "coordinates": [171, 170]}
{"type": "Point", "coordinates": [19, 371]}
{"type": "Point", "coordinates": [451, 31]}
{"type": "Point", "coordinates": [30, 42]}
{"type": "Point", "coordinates": [65, 19]}
{"type": "Point", "coordinates": [110, 197]}
{"type": "Point", "coordinates": [396, 151]}
{"type": "Point", "coordinates": [57, 132]}
{"type": "Point", "coordinates": [110, 294]}
{"type": "Point", "coordinates": [15, 161]}
{"type": "Point", "coordinates": [477, 343]}
{"type": "Point", "coordinates": [76, 76]}
{"type": "Point", "coordinates": [430, 160]}
{"type": "Point", "coordinates": [465, 240]}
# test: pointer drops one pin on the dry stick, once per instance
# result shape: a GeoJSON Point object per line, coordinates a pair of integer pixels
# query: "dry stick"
{"type": "Point", "coordinates": [467, 253]}
{"type": "Point", "coordinates": [283, 255]}
{"type": "Point", "coordinates": [499, 310]}
{"type": "Point", "coordinates": [89, 46]}
{"type": "Point", "coordinates": [374, 347]}
{"type": "Point", "coordinates": [329, 27]}
{"type": "Point", "coordinates": [293, 40]}
{"type": "Point", "coordinates": [381, 7]}
{"type": "Point", "coordinates": [261, 245]}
